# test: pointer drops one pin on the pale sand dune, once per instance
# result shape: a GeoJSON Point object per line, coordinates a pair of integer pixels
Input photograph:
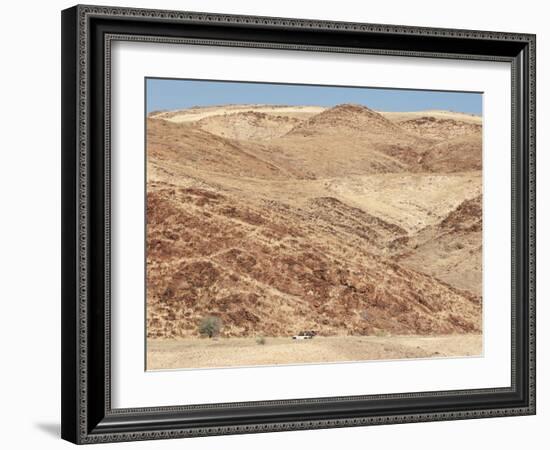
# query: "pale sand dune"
{"type": "Point", "coordinates": [196, 114]}
{"type": "Point", "coordinates": [304, 112]}
{"type": "Point", "coordinates": [438, 114]}
{"type": "Point", "coordinates": [410, 201]}
{"type": "Point", "coordinates": [194, 353]}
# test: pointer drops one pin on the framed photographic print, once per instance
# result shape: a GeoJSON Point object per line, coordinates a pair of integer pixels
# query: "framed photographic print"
{"type": "Point", "coordinates": [267, 222]}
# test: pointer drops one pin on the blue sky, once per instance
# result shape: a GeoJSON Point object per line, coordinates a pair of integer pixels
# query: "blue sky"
{"type": "Point", "coordinates": [169, 94]}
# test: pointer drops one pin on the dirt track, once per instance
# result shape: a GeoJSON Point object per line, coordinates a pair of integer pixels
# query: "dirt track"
{"type": "Point", "coordinates": [224, 352]}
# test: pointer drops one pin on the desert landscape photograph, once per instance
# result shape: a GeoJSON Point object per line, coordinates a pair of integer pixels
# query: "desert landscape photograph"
{"type": "Point", "coordinates": [299, 224]}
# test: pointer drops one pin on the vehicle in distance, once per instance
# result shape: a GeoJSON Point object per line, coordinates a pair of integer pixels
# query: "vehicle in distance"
{"type": "Point", "coordinates": [304, 335]}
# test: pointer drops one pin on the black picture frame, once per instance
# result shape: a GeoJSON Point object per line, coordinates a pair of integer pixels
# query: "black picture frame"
{"type": "Point", "coordinates": [87, 415]}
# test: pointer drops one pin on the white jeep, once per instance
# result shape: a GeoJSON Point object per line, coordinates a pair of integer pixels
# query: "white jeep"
{"type": "Point", "coordinates": [304, 335]}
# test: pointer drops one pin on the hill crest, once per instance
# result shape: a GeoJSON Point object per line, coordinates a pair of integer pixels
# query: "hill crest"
{"type": "Point", "coordinates": [345, 116]}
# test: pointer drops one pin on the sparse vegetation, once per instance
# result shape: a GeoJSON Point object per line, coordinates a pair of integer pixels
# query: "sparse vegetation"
{"type": "Point", "coordinates": [381, 333]}
{"type": "Point", "coordinates": [261, 340]}
{"type": "Point", "coordinates": [210, 326]}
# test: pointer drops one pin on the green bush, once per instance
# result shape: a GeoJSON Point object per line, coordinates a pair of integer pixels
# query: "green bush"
{"type": "Point", "coordinates": [210, 326]}
{"type": "Point", "coordinates": [261, 340]}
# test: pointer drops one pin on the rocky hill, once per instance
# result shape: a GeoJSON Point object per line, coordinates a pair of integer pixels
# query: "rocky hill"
{"type": "Point", "coordinates": [341, 220]}
{"type": "Point", "coordinates": [440, 129]}
{"type": "Point", "coordinates": [346, 118]}
{"type": "Point", "coordinates": [450, 250]}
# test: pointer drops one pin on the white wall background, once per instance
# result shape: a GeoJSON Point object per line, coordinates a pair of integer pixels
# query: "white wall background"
{"type": "Point", "coordinates": [30, 223]}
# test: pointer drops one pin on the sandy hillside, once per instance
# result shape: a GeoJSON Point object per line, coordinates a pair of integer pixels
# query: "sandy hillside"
{"type": "Point", "coordinates": [342, 220]}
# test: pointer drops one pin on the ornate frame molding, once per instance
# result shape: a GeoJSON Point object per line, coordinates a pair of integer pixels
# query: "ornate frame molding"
{"type": "Point", "coordinates": [80, 423]}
